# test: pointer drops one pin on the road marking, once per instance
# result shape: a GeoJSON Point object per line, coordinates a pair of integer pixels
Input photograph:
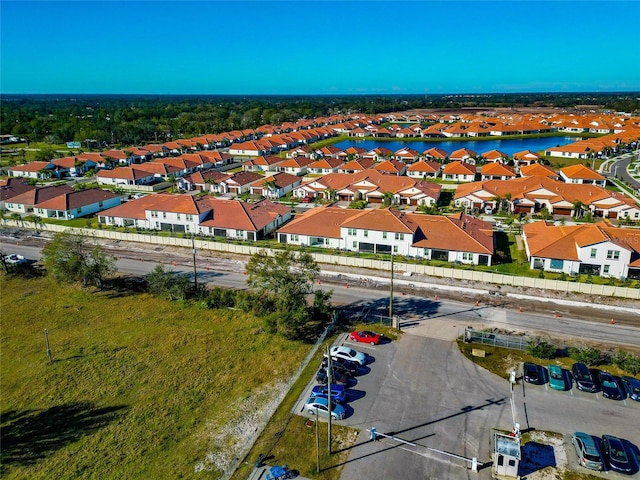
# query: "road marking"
{"type": "Point", "coordinates": [571, 391]}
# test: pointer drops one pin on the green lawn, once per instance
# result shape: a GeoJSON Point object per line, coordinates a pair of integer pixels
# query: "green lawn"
{"type": "Point", "coordinates": [139, 387]}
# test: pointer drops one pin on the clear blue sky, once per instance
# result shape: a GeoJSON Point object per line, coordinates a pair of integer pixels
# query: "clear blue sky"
{"type": "Point", "coordinates": [325, 47]}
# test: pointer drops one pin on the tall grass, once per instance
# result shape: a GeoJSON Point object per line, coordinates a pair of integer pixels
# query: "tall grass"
{"type": "Point", "coordinates": [139, 387]}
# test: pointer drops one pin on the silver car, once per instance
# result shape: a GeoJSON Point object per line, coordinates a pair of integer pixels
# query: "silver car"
{"type": "Point", "coordinates": [587, 450]}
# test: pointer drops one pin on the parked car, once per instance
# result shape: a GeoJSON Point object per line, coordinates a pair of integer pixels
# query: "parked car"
{"type": "Point", "coordinates": [14, 259]}
{"type": "Point", "coordinates": [320, 406]}
{"type": "Point", "coordinates": [338, 392]}
{"type": "Point", "coordinates": [583, 378]}
{"type": "Point", "coordinates": [366, 336]}
{"type": "Point", "coordinates": [610, 388]}
{"type": "Point", "coordinates": [347, 367]}
{"type": "Point", "coordinates": [556, 377]}
{"type": "Point", "coordinates": [533, 373]}
{"type": "Point", "coordinates": [348, 353]}
{"type": "Point", "coordinates": [336, 377]}
{"type": "Point", "coordinates": [632, 387]}
{"type": "Point", "coordinates": [587, 450]}
{"type": "Point", "coordinates": [615, 454]}
{"type": "Point", "coordinates": [307, 199]}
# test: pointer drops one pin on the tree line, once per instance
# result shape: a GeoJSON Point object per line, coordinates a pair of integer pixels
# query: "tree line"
{"type": "Point", "coordinates": [139, 119]}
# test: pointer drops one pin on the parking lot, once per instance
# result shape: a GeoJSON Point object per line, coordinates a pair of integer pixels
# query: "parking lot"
{"type": "Point", "coordinates": [421, 390]}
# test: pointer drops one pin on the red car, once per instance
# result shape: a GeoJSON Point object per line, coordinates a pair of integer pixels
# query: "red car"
{"type": "Point", "coordinates": [365, 336]}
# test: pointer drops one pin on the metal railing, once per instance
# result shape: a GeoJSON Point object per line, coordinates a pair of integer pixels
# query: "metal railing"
{"type": "Point", "coordinates": [515, 342]}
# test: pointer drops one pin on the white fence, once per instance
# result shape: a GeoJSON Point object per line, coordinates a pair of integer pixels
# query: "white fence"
{"type": "Point", "coordinates": [349, 261]}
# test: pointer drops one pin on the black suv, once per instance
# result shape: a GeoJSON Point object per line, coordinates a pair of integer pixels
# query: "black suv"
{"type": "Point", "coordinates": [583, 378]}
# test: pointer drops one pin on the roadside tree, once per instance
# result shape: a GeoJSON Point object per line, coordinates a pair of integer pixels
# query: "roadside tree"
{"type": "Point", "coordinates": [69, 257]}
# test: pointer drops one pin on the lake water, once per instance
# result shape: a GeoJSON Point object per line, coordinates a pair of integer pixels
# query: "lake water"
{"type": "Point", "coordinates": [506, 145]}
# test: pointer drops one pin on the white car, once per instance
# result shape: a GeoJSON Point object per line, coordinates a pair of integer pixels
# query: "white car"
{"type": "Point", "coordinates": [14, 259]}
{"type": "Point", "coordinates": [348, 353]}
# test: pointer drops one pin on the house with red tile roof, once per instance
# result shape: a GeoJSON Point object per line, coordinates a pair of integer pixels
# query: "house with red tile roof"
{"type": "Point", "coordinates": [582, 174]}
{"type": "Point", "coordinates": [538, 170]}
{"type": "Point", "coordinates": [391, 167]}
{"type": "Point", "coordinates": [497, 171]}
{"type": "Point", "coordinates": [378, 154]}
{"type": "Point", "coordinates": [295, 166]}
{"type": "Point", "coordinates": [25, 202]}
{"type": "Point", "coordinates": [459, 172]}
{"type": "Point", "coordinates": [436, 154]}
{"type": "Point", "coordinates": [76, 204]}
{"type": "Point", "coordinates": [328, 151]}
{"type": "Point", "coordinates": [202, 215]}
{"type": "Point", "coordinates": [36, 170]}
{"type": "Point", "coordinates": [249, 149]}
{"type": "Point", "coordinates": [357, 165]}
{"type": "Point", "coordinates": [275, 186]}
{"type": "Point", "coordinates": [12, 187]}
{"type": "Point", "coordinates": [531, 194]}
{"type": "Point", "coordinates": [210, 158]}
{"type": "Point", "coordinates": [325, 166]}
{"type": "Point", "coordinates": [525, 157]}
{"type": "Point", "coordinates": [147, 174]}
{"type": "Point", "coordinates": [424, 169]}
{"type": "Point", "coordinates": [464, 155]}
{"type": "Point", "coordinates": [495, 156]}
{"type": "Point", "coordinates": [205, 181]}
{"type": "Point", "coordinates": [156, 149]}
{"type": "Point", "coordinates": [268, 163]}
{"type": "Point", "coordinates": [458, 238]}
{"type": "Point", "coordinates": [592, 249]}
{"type": "Point", "coordinates": [406, 154]}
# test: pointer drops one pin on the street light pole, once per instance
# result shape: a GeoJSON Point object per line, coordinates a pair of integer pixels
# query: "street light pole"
{"type": "Point", "coordinates": [195, 271]}
{"type": "Point", "coordinates": [391, 289]}
{"type": "Point", "coordinates": [329, 375]}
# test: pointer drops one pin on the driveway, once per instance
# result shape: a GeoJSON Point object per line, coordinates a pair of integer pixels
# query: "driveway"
{"type": "Point", "coordinates": [423, 391]}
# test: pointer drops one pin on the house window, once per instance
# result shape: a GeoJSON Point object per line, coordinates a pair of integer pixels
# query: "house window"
{"type": "Point", "coordinates": [154, 214]}
{"type": "Point", "coordinates": [613, 254]}
{"type": "Point", "coordinates": [636, 215]}
{"type": "Point", "coordinates": [157, 225]}
{"type": "Point", "coordinates": [395, 249]}
{"type": "Point", "coordinates": [9, 205]}
{"type": "Point", "coordinates": [293, 238]}
{"type": "Point", "coordinates": [399, 236]}
{"type": "Point", "coordinates": [426, 252]}
{"type": "Point", "coordinates": [354, 244]}
{"type": "Point", "coordinates": [78, 210]}
{"type": "Point", "coordinates": [366, 233]}
{"type": "Point", "coordinates": [351, 232]}
{"type": "Point", "coordinates": [239, 233]}
{"type": "Point", "coordinates": [100, 204]}
{"type": "Point", "coordinates": [594, 251]}
{"type": "Point", "coordinates": [606, 269]}
{"type": "Point", "coordinates": [164, 214]}
{"type": "Point", "coordinates": [189, 217]}
{"type": "Point", "coordinates": [467, 256]}
{"type": "Point", "coordinates": [178, 216]}
{"type": "Point", "coordinates": [384, 235]}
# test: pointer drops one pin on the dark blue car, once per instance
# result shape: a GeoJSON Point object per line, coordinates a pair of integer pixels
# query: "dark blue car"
{"type": "Point", "coordinates": [609, 386]}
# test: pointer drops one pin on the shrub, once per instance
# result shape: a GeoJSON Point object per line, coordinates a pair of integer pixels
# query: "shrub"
{"type": "Point", "coordinates": [587, 355]}
{"type": "Point", "coordinates": [541, 349]}
{"type": "Point", "coordinates": [626, 361]}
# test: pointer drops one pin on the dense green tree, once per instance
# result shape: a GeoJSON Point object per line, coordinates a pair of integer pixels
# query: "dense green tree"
{"type": "Point", "coordinates": [167, 284]}
{"type": "Point", "coordinates": [69, 257]}
{"type": "Point", "coordinates": [282, 282]}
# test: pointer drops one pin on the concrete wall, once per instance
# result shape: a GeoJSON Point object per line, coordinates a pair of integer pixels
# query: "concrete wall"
{"type": "Point", "coordinates": [384, 265]}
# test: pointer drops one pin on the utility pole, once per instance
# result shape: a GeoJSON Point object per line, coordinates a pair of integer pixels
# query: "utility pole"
{"type": "Point", "coordinates": [317, 444]}
{"type": "Point", "coordinates": [329, 378]}
{"type": "Point", "coordinates": [46, 339]}
{"type": "Point", "coordinates": [195, 271]}
{"type": "Point", "coordinates": [391, 289]}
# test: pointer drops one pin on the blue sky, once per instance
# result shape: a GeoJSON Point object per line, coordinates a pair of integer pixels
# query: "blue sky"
{"type": "Point", "coordinates": [326, 47]}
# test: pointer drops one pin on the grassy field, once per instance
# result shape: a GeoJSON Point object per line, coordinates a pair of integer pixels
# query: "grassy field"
{"type": "Point", "coordinates": [138, 387]}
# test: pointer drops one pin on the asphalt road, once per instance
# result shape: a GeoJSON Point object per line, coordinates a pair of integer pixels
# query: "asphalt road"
{"type": "Point", "coordinates": [587, 324]}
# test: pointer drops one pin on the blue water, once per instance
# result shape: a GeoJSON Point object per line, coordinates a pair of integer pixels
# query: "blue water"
{"type": "Point", "coordinates": [508, 146]}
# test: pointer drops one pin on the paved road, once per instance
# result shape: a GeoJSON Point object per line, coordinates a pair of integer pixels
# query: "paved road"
{"type": "Point", "coordinates": [588, 323]}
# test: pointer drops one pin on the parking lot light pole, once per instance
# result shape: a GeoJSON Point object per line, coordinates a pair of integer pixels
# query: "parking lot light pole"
{"type": "Point", "coordinates": [329, 375]}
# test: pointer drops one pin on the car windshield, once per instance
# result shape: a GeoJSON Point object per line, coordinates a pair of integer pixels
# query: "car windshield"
{"type": "Point", "coordinates": [609, 384]}
{"type": "Point", "coordinates": [555, 375]}
{"type": "Point", "coordinates": [619, 455]}
{"type": "Point", "coordinates": [592, 457]}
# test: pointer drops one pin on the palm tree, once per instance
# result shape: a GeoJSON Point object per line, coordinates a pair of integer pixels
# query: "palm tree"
{"type": "Point", "coordinates": [578, 209]}
{"type": "Point", "coordinates": [15, 216]}
{"type": "Point", "coordinates": [387, 199]}
{"type": "Point", "coordinates": [35, 219]}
